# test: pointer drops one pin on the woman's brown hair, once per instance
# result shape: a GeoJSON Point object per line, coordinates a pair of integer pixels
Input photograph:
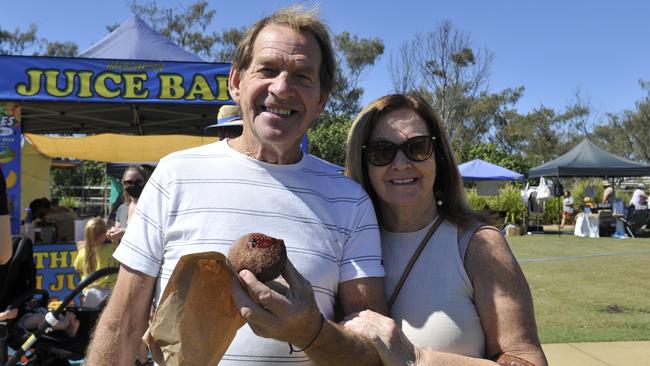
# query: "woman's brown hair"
{"type": "Point", "coordinates": [448, 186]}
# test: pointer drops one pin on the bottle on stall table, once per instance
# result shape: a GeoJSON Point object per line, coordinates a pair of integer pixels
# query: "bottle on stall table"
{"type": "Point", "coordinates": [26, 229]}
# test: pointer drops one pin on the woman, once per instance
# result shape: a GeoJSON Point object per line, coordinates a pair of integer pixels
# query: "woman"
{"type": "Point", "coordinates": [94, 253]}
{"type": "Point", "coordinates": [465, 299]}
{"type": "Point", "coordinates": [133, 180]}
{"type": "Point", "coordinates": [567, 208]}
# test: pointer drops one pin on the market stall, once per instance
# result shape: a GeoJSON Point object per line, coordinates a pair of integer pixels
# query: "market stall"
{"type": "Point", "coordinates": [588, 160]}
{"type": "Point", "coordinates": [128, 93]}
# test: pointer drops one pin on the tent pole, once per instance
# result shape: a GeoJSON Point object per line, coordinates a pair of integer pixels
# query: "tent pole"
{"type": "Point", "coordinates": [559, 207]}
{"type": "Point", "coordinates": [83, 190]}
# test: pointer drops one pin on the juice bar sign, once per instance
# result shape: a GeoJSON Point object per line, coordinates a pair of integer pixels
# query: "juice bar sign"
{"type": "Point", "coordinates": [55, 271]}
{"type": "Point", "coordinates": [116, 81]}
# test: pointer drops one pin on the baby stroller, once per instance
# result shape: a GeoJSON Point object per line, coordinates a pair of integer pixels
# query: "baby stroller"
{"type": "Point", "coordinates": [41, 347]}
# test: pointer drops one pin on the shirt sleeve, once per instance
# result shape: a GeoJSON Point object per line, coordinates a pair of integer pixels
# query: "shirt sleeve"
{"type": "Point", "coordinates": [142, 246]}
{"type": "Point", "coordinates": [362, 250]}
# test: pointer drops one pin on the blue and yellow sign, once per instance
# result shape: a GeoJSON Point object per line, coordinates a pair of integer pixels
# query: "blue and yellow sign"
{"type": "Point", "coordinates": [123, 81]}
{"type": "Point", "coordinates": [10, 139]}
{"type": "Point", "coordinates": [55, 271]}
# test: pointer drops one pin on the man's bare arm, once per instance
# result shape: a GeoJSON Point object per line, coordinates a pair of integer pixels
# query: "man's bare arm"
{"type": "Point", "coordinates": [337, 345]}
{"type": "Point", "coordinates": [124, 321]}
{"type": "Point", "coordinates": [293, 316]}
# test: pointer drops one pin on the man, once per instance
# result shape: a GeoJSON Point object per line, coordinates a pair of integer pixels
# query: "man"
{"type": "Point", "coordinates": [638, 196]}
{"type": "Point", "coordinates": [63, 218]}
{"type": "Point", "coordinates": [203, 199]}
{"type": "Point", "coordinates": [229, 123]}
{"type": "Point", "coordinates": [45, 214]}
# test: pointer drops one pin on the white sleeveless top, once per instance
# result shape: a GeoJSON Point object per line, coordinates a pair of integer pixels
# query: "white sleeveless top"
{"type": "Point", "coordinates": [435, 307]}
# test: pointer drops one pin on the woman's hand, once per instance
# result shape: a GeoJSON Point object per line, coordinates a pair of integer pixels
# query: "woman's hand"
{"type": "Point", "coordinates": [388, 339]}
{"type": "Point", "coordinates": [8, 314]}
{"type": "Point", "coordinates": [115, 233]}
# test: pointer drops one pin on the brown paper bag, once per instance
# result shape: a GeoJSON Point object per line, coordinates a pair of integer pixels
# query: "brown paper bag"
{"type": "Point", "coordinates": [196, 318]}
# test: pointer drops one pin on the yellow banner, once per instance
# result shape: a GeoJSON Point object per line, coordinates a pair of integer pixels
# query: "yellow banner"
{"type": "Point", "coordinates": [115, 148]}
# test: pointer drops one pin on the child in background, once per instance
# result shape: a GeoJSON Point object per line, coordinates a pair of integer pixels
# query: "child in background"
{"type": "Point", "coordinates": [94, 253]}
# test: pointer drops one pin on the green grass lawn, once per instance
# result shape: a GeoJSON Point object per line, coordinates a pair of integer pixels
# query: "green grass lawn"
{"type": "Point", "coordinates": [587, 289]}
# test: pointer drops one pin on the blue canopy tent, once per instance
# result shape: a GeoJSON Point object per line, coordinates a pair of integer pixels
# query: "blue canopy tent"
{"type": "Point", "coordinates": [479, 170]}
{"type": "Point", "coordinates": [135, 40]}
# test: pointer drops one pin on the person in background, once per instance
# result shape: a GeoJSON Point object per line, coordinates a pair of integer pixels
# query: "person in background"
{"type": "Point", "coordinates": [95, 253]}
{"type": "Point", "coordinates": [465, 300]}
{"type": "Point", "coordinates": [5, 224]}
{"type": "Point", "coordinates": [32, 316]}
{"type": "Point", "coordinates": [205, 198]}
{"type": "Point", "coordinates": [638, 197]}
{"type": "Point", "coordinates": [567, 208]}
{"type": "Point", "coordinates": [133, 181]}
{"type": "Point", "coordinates": [44, 215]}
{"type": "Point", "coordinates": [608, 193]}
{"type": "Point", "coordinates": [45, 229]}
{"type": "Point", "coordinates": [63, 218]}
{"type": "Point", "coordinates": [229, 122]}
{"type": "Point", "coordinates": [643, 201]}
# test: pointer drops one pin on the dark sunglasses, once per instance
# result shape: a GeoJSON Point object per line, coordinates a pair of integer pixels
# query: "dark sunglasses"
{"type": "Point", "coordinates": [380, 153]}
{"type": "Point", "coordinates": [136, 182]}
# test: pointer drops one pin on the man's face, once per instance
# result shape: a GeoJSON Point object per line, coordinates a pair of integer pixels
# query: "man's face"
{"type": "Point", "coordinates": [280, 92]}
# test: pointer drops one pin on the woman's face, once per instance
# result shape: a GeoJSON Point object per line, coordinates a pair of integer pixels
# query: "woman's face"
{"type": "Point", "coordinates": [133, 183]}
{"type": "Point", "coordinates": [402, 184]}
{"type": "Point", "coordinates": [132, 178]}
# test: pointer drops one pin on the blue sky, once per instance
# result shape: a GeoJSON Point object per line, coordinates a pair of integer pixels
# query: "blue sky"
{"type": "Point", "coordinates": [553, 48]}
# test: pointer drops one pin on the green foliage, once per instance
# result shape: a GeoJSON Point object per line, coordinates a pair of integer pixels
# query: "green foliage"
{"type": "Point", "coordinates": [444, 67]}
{"type": "Point", "coordinates": [358, 52]}
{"type": "Point", "coordinates": [614, 137]}
{"type": "Point", "coordinates": [628, 133]}
{"type": "Point", "coordinates": [476, 201]}
{"type": "Point", "coordinates": [327, 139]}
{"type": "Point", "coordinates": [228, 40]}
{"type": "Point", "coordinates": [17, 42]}
{"type": "Point", "coordinates": [27, 42]}
{"type": "Point", "coordinates": [61, 49]}
{"type": "Point", "coordinates": [578, 191]}
{"type": "Point", "coordinates": [487, 113]}
{"type": "Point", "coordinates": [507, 202]}
{"type": "Point", "coordinates": [70, 202]}
{"type": "Point", "coordinates": [184, 26]}
{"type": "Point", "coordinates": [90, 173]}
{"type": "Point", "coordinates": [534, 134]}
{"type": "Point", "coordinates": [354, 56]}
{"type": "Point", "coordinates": [544, 133]}
{"type": "Point", "coordinates": [552, 211]}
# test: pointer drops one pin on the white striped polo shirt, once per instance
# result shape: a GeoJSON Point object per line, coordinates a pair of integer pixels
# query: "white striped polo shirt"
{"type": "Point", "coordinates": [202, 199]}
